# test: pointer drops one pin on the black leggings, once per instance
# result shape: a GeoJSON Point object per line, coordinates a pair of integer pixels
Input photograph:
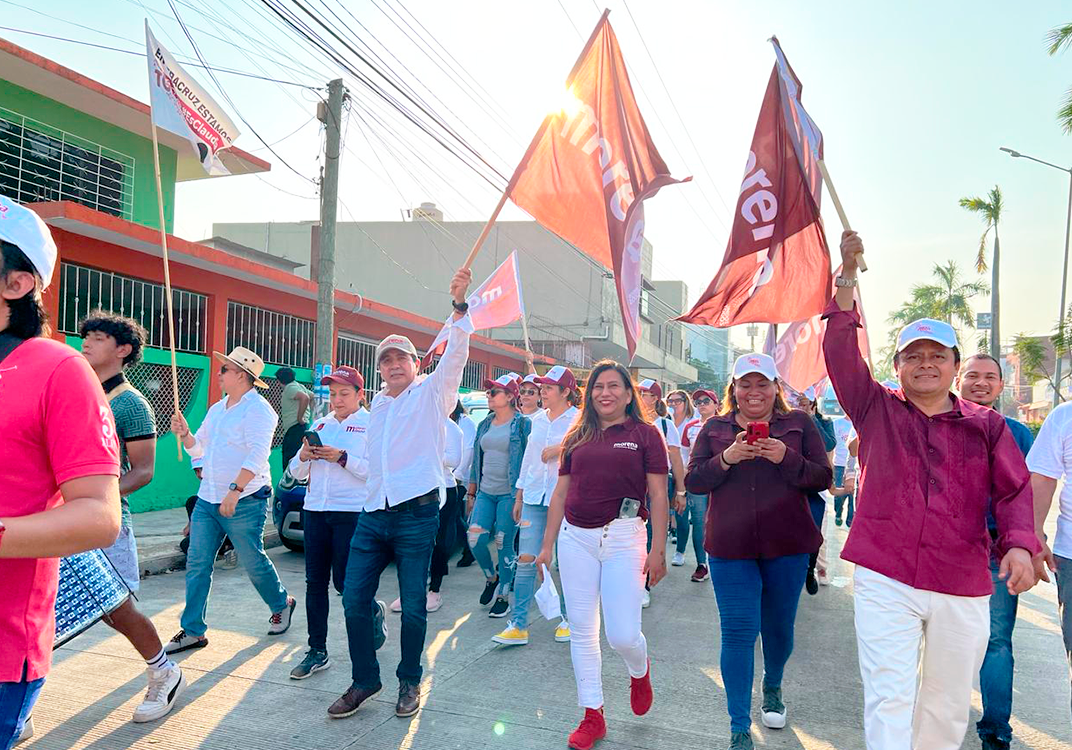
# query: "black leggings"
{"type": "Point", "coordinates": [446, 536]}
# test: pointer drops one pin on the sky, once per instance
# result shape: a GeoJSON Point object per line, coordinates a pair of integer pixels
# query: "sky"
{"type": "Point", "coordinates": [914, 100]}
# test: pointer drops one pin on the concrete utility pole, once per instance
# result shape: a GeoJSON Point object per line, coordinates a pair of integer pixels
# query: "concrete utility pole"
{"type": "Point", "coordinates": [331, 116]}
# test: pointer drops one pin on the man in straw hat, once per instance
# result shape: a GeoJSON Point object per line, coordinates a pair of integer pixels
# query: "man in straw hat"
{"type": "Point", "coordinates": [406, 443]}
{"type": "Point", "coordinates": [60, 467]}
{"type": "Point", "coordinates": [233, 443]}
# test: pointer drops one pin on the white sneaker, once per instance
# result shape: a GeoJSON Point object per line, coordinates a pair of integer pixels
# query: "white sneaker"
{"type": "Point", "coordinates": [823, 577]}
{"type": "Point", "coordinates": [435, 601]}
{"type": "Point", "coordinates": [678, 559]}
{"type": "Point", "coordinates": [229, 561]}
{"type": "Point", "coordinates": [165, 686]}
{"type": "Point", "coordinates": [646, 602]}
{"type": "Point", "coordinates": [396, 605]}
{"type": "Point", "coordinates": [27, 731]}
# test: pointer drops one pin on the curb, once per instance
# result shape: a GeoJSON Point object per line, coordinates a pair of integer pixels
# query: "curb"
{"type": "Point", "coordinates": [159, 563]}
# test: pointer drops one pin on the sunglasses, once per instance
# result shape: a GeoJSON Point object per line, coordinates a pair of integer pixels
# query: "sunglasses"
{"type": "Point", "coordinates": [530, 392]}
{"type": "Point", "coordinates": [703, 401]}
{"type": "Point", "coordinates": [494, 392]}
{"type": "Point", "coordinates": [675, 400]}
{"type": "Point", "coordinates": [224, 370]}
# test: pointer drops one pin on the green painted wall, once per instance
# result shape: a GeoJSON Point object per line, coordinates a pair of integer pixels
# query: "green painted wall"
{"type": "Point", "coordinates": [140, 148]}
{"type": "Point", "coordinates": [173, 479]}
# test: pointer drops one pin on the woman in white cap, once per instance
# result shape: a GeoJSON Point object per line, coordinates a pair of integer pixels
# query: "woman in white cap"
{"type": "Point", "coordinates": [336, 465]}
{"type": "Point", "coordinates": [611, 458]}
{"type": "Point", "coordinates": [497, 454]}
{"type": "Point", "coordinates": [234, 442]}
{"type": "Point", "coordinates": [757, 462]}
{"type": "Point", "coordinates": [528, 395]}
{"type": "Point", "coordinates": [535, 486]}
{"type": "Point", "coordinates": [651, 395]}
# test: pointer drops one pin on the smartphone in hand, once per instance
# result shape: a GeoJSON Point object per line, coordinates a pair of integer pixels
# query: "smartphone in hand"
{"type": "Point", "coordinates": [757, 431]}
{"type": "Point", "coordinates": [313, 439]}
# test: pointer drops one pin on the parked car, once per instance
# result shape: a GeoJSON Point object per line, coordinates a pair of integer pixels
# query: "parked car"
{"type": "Point", "coordinates": [287, 512]}
{"type": "Point", "coordinates": [477, 405]}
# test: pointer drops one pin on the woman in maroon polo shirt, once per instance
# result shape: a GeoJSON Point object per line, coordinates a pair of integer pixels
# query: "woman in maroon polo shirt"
{"type": "Point", "coordinates": [759, 530]}
{"type": "Point", "coordinates": [611, 459]}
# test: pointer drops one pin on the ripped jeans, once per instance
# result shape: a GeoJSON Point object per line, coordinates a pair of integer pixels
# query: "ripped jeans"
{"type": "Point", "coordinates": [532, 527]}
{"type": "Point", "coordinates": [494, 514]}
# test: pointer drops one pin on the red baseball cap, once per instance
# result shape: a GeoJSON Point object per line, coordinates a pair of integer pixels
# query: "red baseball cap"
{"type": "Point", "coordinates": [344, 375]}
{"type": "Point", "coordinates": [560, 376]}
{"type": "Point", "coordinates": [652, 387]}
{"type": "Point", "coordinates": [704, 392]}
{"type": "Point", "coordinates": [505, 382]}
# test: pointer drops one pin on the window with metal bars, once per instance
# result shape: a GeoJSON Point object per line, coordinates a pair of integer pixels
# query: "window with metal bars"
{"type": "Point", "coordinates": [361, 355]}
{"type": "Point", "coordinates": [277, 338]}
{"type": "Point", "coordinates": [83, 290]}
{"type": "Point", "coordinates": [39, 162]}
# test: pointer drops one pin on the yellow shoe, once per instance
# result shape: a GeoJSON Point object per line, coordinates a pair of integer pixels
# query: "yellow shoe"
{"type": "Point", "coordinates": [562, 632]}
{"type": "Point", "coordinates": [512, 636]}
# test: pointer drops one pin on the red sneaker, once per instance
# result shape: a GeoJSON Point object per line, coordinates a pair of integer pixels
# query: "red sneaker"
{"type": "Point", "coordinates": [640, 692]}
{"type": "Point", "coordinates": [593, 728]}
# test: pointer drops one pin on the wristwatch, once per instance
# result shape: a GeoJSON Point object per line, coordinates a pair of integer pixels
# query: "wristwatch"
{"type": "Point", "coordinates": [343, 457]}
{"type": "Point", "coordinates": [461, 307]}
{"type": "Point", "coordinates": [235, 488]}
{"type": "Point", "coordinates": [842, 281]}
{"type": "Point", "coordinates": [680, 494]}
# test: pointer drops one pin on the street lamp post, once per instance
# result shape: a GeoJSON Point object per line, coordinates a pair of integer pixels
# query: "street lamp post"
{"type": "Point", "coordinates": [1064, 271]}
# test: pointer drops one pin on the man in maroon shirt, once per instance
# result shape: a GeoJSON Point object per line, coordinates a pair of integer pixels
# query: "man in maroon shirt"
{"type": "Point", "coordinates": [933, 465]}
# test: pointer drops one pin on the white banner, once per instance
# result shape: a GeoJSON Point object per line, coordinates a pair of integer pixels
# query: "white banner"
{"type": "Point", "coordinates": [181, 106]}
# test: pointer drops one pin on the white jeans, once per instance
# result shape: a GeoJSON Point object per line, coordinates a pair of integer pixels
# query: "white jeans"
{"type": "Point", "coordinates": [603, 564]}
{"type": "Point", "coordinates": [919, 654]}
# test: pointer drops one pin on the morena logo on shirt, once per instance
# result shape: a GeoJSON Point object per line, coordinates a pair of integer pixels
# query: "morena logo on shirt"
{"type": "Point", "coordinates": [354, 428]}
{"type": "Point", "coordinates": [627, 446]}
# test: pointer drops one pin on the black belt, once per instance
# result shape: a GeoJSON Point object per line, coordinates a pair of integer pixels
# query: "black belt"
{"type": "Point", "coordinates": [416, 502]}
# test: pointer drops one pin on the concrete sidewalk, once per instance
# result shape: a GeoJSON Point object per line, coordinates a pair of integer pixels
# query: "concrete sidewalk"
{"type": "Point", "coordinates": [479, 695]}
{"type": "Point", "coordinates": [159, 532]}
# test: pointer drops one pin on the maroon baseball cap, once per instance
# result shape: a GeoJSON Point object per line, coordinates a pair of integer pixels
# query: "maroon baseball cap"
{"type": "Point", "coordinates": [651, 386]}
{"type": "Point", "coordinates": [560, 376]}
{"type": "Point", "coordinates": [505, 382]}
{"type": "Point", "coordinates": [344, 375]}
{"type": "Point", "coordinates": [704, 392]}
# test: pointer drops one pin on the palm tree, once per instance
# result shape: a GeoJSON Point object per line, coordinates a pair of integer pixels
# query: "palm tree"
{"type": "Point", "coordinates": [948, 299]}
{"type": "Point", "coordinates": [990, 210]}
{"type": "Point", "coordinates": [1059, 38]}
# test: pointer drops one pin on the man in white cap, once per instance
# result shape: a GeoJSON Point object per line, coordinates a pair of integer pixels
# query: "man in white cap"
{"type": "Point", "coordinates": [233, 443]}
{"type": "Point", "coordinates": [406, 444]}
{"type": "Point", "coordinates": [60, 465]}
{"type": "Point", "coordinates": [934, 464]}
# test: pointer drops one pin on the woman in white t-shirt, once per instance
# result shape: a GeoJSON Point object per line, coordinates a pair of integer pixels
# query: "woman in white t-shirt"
{"type": "Point", "coordinates": [691, 509]}
{"type": "Point", "coordinates": [337, 470]}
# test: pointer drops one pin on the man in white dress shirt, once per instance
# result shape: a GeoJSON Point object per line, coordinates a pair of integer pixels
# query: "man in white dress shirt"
{"type": "Point", "coordinates": [406, 443]}
{"type": "Point", "coordinates": [233, 443]}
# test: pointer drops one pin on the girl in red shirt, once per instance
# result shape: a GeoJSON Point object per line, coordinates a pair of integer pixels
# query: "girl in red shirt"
{"type": "Point", "coordinates": [611, 459]}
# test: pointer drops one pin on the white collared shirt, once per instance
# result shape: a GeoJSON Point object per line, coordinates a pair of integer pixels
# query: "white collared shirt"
{"type": "Point", "coordinates": [232, 439]}
{"type": "Point", "coordinates": [406, 437]}
{"type": "Point", "coordinates": [331, 486]}
{"type": "Point", "coordinates": [538, 479]}
{"type": "Point", "coordinates": [468, 427]}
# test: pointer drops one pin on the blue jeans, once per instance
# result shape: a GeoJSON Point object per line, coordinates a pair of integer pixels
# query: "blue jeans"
{"type": "Point", "coordinates": [16, 702]}
{"type": "Point", "coordinates": [755, 597]}
{"type": "Point", "coordinates": [840, 500]}
{"type": "Point", "coordinates": [696, 508]}
{"type": "Point", "coordinates": [1064, 603]}
{"type": "Point", "coordinates": [407, 537]}
{"type": "Point", "coordinates": [995, 677]}
{"type": "Point", "coordinates": [532, 527]}
{"type": "Point", "coordinates": [327, 550]}
{"type": "Point", "coordinates": [246, 531]}
{"type": "Point", "coordinates": [494, 513]}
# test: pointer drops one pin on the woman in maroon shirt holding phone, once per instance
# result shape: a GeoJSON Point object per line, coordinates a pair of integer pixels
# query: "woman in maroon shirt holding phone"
{"type": "Point", "coordinates": [757, 462]}
{"type": "Point", "coordinates": [611, 459]}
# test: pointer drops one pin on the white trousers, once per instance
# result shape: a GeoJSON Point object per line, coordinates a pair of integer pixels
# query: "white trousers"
{"type": "Point", "coordinates": [919, 654]}
{"type": "Point", "coordinates": [605, 565]}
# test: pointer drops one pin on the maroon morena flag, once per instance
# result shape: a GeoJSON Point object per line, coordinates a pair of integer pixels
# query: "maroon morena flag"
{"type": "Point", "coordinates": [777, 265]}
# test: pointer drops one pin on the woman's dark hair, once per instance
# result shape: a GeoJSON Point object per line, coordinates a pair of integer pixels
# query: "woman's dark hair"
{"type": "Point", "coordinates": [729, 403]}
{"type": "Point", "coordinates": [459, 409]}
{"type": "Point", "coordinates": [285, 375]}
{"type": "Point", "coordinates": [123, 330]}
{"type": "Point", "coordinates": [586, 428]}
{"type": "Point", "coordinates": [27, 318]}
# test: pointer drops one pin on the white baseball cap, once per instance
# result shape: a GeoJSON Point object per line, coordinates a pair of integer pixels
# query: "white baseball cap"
{"type": "Point", "coordinates": [755, 362]}
{"type": "Point", "coordinates": [530, 378]}
{"type": "Point", "coordinates": [651, 386]}
{"type": "Point", "coordinates": [926, 329]}
{"type": "Point", "coordinates": [396, 341]}
{"type": "Point", "coordinates": [25, 230]}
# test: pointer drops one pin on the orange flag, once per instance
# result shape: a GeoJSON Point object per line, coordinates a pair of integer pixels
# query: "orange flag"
{"type": "Point", "coordinates": [590, 167]}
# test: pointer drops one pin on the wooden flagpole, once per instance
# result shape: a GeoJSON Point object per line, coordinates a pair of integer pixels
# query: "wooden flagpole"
{"type": "Point", "coordinates": [840, 209]}
{"type": "Point", "coordinates": [167, 281]}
